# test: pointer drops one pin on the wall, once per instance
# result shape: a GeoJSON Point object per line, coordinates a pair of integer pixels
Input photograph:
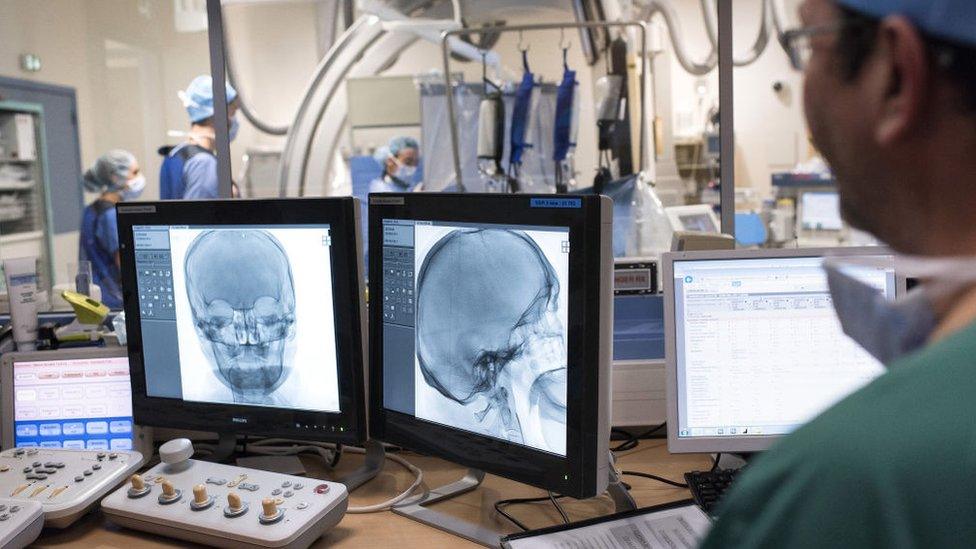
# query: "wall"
{"type": "Point", "coordinates": [127, 61]}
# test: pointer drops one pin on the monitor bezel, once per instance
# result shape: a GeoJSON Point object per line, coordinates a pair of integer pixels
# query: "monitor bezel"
{"type": "Point", "coordinates": [727, 444]}
{"type": "Point", "coordinates": [583, 471]}
{"type": "Point", "coordinates": [342, 215]}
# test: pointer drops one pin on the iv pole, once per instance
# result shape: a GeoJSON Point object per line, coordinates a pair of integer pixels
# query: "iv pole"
{"type": "Point", "coordinates": [539, 27]}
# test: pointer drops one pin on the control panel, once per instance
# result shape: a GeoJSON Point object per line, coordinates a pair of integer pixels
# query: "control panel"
{"type": "Point", "coordinates": [66, 483]}
{"type": "Point", "coordinates": [225, 505]}
{"type": "Point", "coordinates": [20, 523]}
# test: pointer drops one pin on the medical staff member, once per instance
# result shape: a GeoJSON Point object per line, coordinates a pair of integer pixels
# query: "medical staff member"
{"type": "Point", "coordinates": [890, 98]}
{"type": "Point", "coordinates": [400, 159]}
{"type": "Point", "coordinates": [190, 169]}
{"type": "Point", "coordinates": [116, 175]}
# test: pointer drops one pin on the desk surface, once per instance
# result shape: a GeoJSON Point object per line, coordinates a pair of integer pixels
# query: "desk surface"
{"type": "Point", "coordinates": [388, 530]}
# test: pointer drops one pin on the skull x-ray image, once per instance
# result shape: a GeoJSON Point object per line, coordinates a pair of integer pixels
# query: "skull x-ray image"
{"type": "Point", "coordinates": [491, 317]}
{"type": "Point", "coordinates": [254, 316]}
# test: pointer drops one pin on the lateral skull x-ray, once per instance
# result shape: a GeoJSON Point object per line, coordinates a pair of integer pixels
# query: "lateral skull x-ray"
{"type": "Point", "coordinates": [491, 335]}
{"type": "Point", "coordinates": [242, 298]}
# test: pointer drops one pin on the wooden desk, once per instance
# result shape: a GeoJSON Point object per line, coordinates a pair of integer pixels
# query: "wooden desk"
{"type": "Point", "coordinates": [388, 530]}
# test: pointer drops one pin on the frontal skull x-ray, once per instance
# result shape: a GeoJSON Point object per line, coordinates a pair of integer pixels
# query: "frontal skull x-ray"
{"type": "Point", "coordinates": [491, 332]}
{"type": "Point", "coordinates": [249, 330]}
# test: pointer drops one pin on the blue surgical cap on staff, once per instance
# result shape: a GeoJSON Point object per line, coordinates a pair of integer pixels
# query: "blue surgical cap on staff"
{"type": "Point", "coordinates": [110, 172]}
{"type": "Point", "coordinates": [397, 144]}
{"type": "Point", "coordinates": [198, 98]}
{"type": "Point", "coordinates": [952, 20]}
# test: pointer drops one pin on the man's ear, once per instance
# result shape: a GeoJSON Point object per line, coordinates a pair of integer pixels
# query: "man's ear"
{"type": "Point", "coordinates": [903, 79]}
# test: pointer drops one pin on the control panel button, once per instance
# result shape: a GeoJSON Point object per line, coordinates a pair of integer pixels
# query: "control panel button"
{"type": "Point", "coordinates": [298, 486]}
{"type": "Point", "coordinates": [286, 484]}
{"type": "Point", "coordinates": [302, 505]}
{"type": "Point", "coordinates": [201, 499]}
{"type": "Point", "coordinates": [276, 492]}
{"type": "Point", "coordinates": [87, 472]}
{"type": "Point", "coordinates": [14, 508]}
{"type": "Point", "coordinates": [289, 493]}
{"type": "Point", "coordinates": [96, 466]}
{"type": "Point", "coordinates": [4, 516]}
{"type": "Point", "coordinates": [270, 512]}
{"type": "Point", "coordinates": [322, 489]}
{"type": "Point", "coordinates": [79, 478]}
{"type": "Point", "coordinates": [235, 505]}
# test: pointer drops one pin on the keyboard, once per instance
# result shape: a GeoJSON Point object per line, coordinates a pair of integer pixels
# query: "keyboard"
{"type": "Point", "coordinates": [709, 487]}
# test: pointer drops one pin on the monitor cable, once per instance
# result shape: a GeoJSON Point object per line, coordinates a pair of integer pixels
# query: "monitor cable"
{"type": "Point", "coordinates": [501, 504]}
{"type": "Point", "coordinates": [634, 440]}
{"type": "Point", "coordinates": [330, 453]}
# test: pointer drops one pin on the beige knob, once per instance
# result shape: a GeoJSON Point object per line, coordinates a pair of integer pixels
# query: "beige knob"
{"type": "Point", "coordinates": [270, 507]}
{"type": "Point", "coordinates": [168, 489]}
{"type": "Point", "coordinates": [233, 501]}
{"type": "Point", "coordinates": [200, 493]}
{"type": "Point", "coordinates": [137, 482]}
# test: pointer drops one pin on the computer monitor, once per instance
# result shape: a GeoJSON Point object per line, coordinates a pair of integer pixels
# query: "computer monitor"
{"type": "Point", "coordinates": [246, 316]}
{"type": "Point", "coordinates": [820, 211]}
{"type": "Point", "coordinates": [490, 333]}
{"type": "Point", "coordinates": [68, 398]}
{"type": "Point", "coordinates": [753, 346]}
{"type": "Point", "coordinates": [696, 217]}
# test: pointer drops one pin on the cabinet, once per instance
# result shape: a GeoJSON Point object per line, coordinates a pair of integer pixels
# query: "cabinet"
{"type": "Point", "coordinates": [25, 210]}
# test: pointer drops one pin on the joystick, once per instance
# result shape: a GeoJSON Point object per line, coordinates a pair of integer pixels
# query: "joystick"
{"type": "Point", "coordinates": [138, 488]}
{"type": "Point", "coordinates": [235, 506]}
{"type": "Point", "coordinates": [201, 500]}
{"type": "Point", "coordinates": [170, 493]}
{"type": "Point", "coordinates": [271, 514]}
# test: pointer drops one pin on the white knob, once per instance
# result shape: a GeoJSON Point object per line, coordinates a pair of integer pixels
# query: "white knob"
{"type": "Point", "coordinates": [176, 451]}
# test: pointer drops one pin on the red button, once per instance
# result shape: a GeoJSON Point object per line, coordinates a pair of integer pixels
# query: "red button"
{"type": "Point", "coordinates": [321, 488]}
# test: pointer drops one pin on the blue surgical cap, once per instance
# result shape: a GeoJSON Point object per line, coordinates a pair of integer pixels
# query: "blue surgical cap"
{"type": "Point", "coordinates": [198, 98]}
{"type": "Point", "coordinates": [110, 172]}
{"type": "Point", "coordinates": [397, 144]}
{"type": "Point", "coordinates": [952, 20]}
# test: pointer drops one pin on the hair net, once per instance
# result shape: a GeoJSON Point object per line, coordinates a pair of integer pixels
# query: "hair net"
{"type": "Point", "coordinates": [110, 172]}
{"type": "Point", "coordinates": [198, 98]}
{"type": "Point", "coordinates": [397, 144]}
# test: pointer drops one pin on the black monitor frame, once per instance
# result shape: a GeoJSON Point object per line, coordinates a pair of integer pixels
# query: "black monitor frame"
{"type": "Point", "coordinates": [342, 214]}
{"type": "Point", "coordinates": [582, 472]}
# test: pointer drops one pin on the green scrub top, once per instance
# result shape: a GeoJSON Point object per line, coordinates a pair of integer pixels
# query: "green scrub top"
{"type": "Point", "coordinates": [893, 465]}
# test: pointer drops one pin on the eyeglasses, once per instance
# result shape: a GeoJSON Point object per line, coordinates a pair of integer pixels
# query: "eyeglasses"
{"type": "Point", "coordinates": [796, 42]}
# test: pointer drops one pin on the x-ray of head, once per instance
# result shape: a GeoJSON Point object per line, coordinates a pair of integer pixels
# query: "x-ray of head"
{"type": "Point", "coordinates": [491, 332]}
{"type": "Point", "coordinates": [245, 335]}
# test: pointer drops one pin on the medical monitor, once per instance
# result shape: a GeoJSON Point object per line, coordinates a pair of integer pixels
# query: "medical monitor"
{"type": "Point", "coordinates": [820, 211]}
{"type": "Point", "coordinates": [696, 217]}
{"type": "Point", "coordinates": [69, 398]}
{"type": "Point", "coordinates": [753, 346]}
{"type": "Point", "coordinates": [490, 334]}
{"type": "Point", "coordinates": [246, 316]}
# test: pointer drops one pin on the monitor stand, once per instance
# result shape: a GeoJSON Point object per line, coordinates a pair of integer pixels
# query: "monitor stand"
{"type": "Point", "coordinates": [373, 463]}
{"type": "Point", "coordinates": [418, 510]}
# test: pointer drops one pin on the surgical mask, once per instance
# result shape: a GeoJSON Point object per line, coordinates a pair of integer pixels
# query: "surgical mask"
{"type": "Point", "coordinates": [891, 329]}
{"type": "Point", "coordinates": [134, 188]}
{"type": "Point", "coordinates": [404, 172]}
{"type": "Point", "coordinates": [235, 126]}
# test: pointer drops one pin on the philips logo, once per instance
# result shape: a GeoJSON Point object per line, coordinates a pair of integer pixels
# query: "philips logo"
{"type": "Point", "coordinates": [238, 419]}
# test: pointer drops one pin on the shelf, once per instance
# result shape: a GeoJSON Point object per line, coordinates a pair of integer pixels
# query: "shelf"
{"type": "Point", "coordinates": [18, 186]}
{"type": "Point", "coordinates": [21, 237]}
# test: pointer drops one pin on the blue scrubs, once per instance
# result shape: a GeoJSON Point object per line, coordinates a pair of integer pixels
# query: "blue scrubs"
{"type": "Point", "coordinates": [200, 176]}
{"type": "Point", "coordinates": [390, 184]}
{"type": "Point", "coordinates": [99, 243]}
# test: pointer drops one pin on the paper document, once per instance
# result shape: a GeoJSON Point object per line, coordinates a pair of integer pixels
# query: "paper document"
{"type": "Point", "coordinates": [679, 527]}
